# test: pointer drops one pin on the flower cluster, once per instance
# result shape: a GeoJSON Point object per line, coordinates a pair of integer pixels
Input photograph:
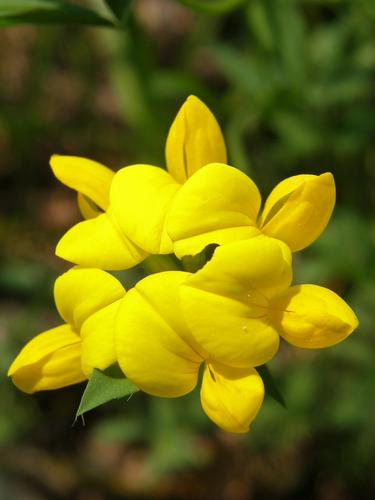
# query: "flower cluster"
{"type": "Point", "coordinates": [228, 316]}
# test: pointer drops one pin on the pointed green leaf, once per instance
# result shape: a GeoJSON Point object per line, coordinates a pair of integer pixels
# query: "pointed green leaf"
{"type": "Point", "coordinates": [16, 12]}
{"type": "Point", "coordinates": [270, 384]}
{"type": "Point", "coordinates": [103, 387]}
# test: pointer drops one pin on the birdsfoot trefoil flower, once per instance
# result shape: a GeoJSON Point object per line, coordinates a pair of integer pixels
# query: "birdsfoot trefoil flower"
{"type": "Point", "coordinates": [227, 318]}
{"type": "Point", "coordinates": [157, 352]}
{"type": "Point", "coordinates": [198, 201]}
{"type": "Point", "coordinates": [98, 241]}
{"type": "Point", "coordinates": [230, 316]}
{"type": "Point", "coordinates": [220, 204]}
{"type": "Point", "coordinates": [245, 289]}
{"type": "Point", "coordinates": [133, 224]}
{"type": "Point", "coordinates": [87, 300]}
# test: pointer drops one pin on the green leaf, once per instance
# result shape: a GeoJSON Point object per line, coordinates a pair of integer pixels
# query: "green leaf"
{"type": "Point", "coordinates": [213, 6]}
{"type": "Point", "coordinates": [270, 384]}
{"type": "Point", "coordinates": [16, 12]}
{"type": "Point", "coordinates": [103, 387]}
{"type": "Point", "coordinates": [120, 8]}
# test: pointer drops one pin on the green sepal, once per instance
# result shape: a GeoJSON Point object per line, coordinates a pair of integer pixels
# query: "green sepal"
{"type": "Point", "coordinates": [104, 386]}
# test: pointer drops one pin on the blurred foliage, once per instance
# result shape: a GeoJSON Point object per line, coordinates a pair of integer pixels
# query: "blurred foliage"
{"type": "Point", "coordinates": [293, 85]}
{"type": "Point", "coordinates": [14, 12]}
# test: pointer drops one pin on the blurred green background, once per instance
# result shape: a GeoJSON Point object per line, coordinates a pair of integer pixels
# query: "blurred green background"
{"type": "Point", "coordinates": [293, 86]}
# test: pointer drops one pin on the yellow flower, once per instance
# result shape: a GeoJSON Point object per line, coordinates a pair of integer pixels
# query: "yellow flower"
{"type": "Point", "coordinates": [157, 352]}
{"type": "Point", "coordinates": [87, 300]}
{"type": "Point", "coordinates": [133, 224]}
{"type": "Point", "coordinates": [98, 241]}
{"type": "Point", "coordinates": [229, 316]}
{"type": "Point", "coordinates": [238, 304]}
{"type": "Point", "coordinates": [198, 201]}
{"type": "Point", "coordinates": [220, 204]}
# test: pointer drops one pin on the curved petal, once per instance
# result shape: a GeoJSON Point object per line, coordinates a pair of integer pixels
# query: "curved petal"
{"type": "Point", "coordinates": [231, 397]}
{"type": "Point", "coordinates": [194, 140]}
{"type": "Point", "coordinates": [152, 340]}
{"type": "Point", "coordinates": [98, 339]}
{"type": "Point", "coordinates": [99, 243]}
{"type": "Point", "coordinates": [250, 271]}
{"type": "Point", "coordinates": [227, 330]}
{"type": "Point", "coordinates": [50, 360]}
{"type": "Point", "coordinates": [226, 304]}
{"type": "Point", "coordinates": [194, 245]}
{"type": "Point", "coordinates": [140, 197]}
{"type": "Point", "coordinates": [85, 176]}
{"type": "Point", "coordinates": [218, 204]}
{"type": "Point", "coordinates": [87, 208]}
{"type": "Point", "coordinates": [299, 208]}
{"type": "Point", "coordinates": [81, 292]}
{"type": "Point", "coordinates": [313, 317]}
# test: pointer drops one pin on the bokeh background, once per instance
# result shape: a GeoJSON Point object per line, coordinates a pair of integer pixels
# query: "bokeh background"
{"type": "Point", "coordinates": [293, 84]}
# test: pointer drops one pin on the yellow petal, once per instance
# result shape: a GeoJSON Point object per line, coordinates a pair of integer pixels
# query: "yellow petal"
{"type": "Point", "coordinates": [98, 339]}
{"type": "Point", "coordinates": [140, 197]}
{"type": "Point", "coordinates": [299, 208]}
{"type": "Point", "coordinates": [194, 140]}
{"type": "Point", "coordinates": [81, 292]}
{"type": "Point", "coordinates": [226, 304]}
{"type": "Point", "coordinates": [313, 317]}
{"type": "Point", "coordinates": [50, 360]}
{"type": "Point", "coordinates": [231, 397]}
{"type": "Point", "coordinates": [85, 176]}
{"type": "Point", "coordinates": [218, 204]}
{"type": "Point", "coordinates": [260, 266]}
{"type": "Point", "coordinates": [99, 243]}
{"type": "Point", "coordinates": [227, 332]}
{"type": "Point", "coordinates": [152, 341]}
{"type": "Point", "coordinates": [87, 208]}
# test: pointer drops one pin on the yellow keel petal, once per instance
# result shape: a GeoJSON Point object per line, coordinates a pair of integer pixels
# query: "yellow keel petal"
{"type": "Point", "coordinates": [194, 140]}
{"type": "Point", "coordinates": [313, 317]}
{"type": "Point", "coordinates": [231, 397]}
{"type": "Point", "coordinates": [50, 360]}
{"type": "Point", "coordinates": [299, 208]}
{"type": "Point", "coordinates": [85, 176]}
{"type": "Point", "coordinates": [87, 208]}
